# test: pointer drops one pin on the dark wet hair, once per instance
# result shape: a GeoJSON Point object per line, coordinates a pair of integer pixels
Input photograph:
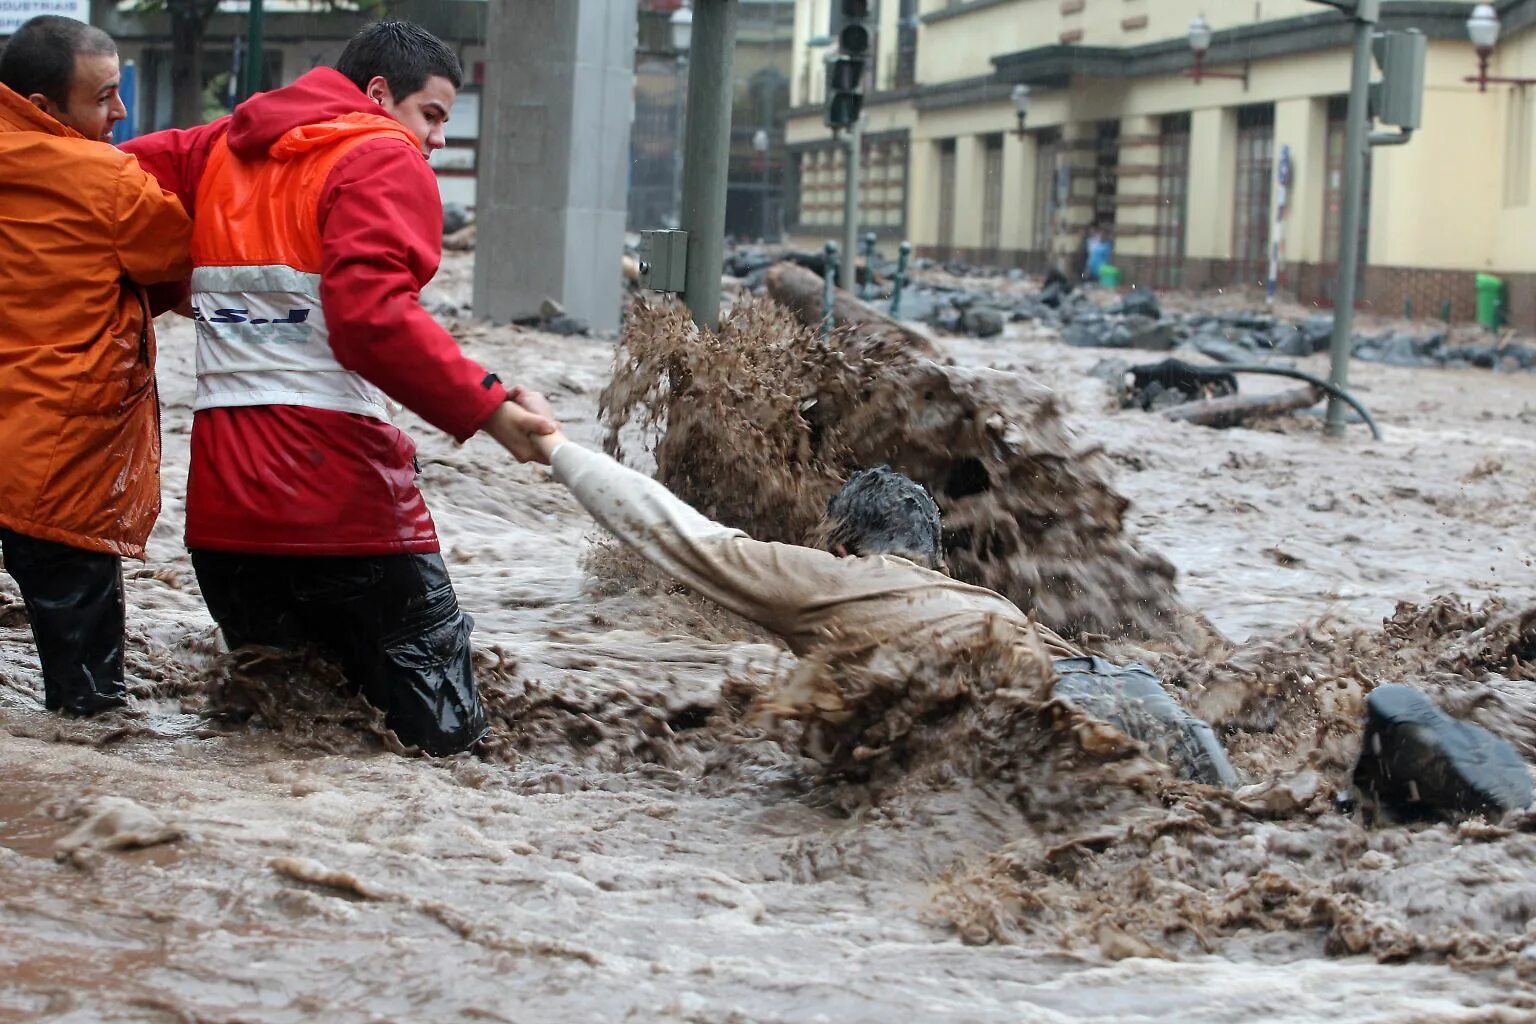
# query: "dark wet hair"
{"type": "Point", "coordinates": [880, 512]}
{"type": "Point", "coordinates": [40, 58]}
{"type": "Point", "coordinates": [404, 53]}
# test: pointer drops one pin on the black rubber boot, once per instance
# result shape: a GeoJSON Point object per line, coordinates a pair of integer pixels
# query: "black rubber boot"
{"type": "Point", "coordinates": [74, 599]}
{"type": "Point", "coordinates": [1131, 699]}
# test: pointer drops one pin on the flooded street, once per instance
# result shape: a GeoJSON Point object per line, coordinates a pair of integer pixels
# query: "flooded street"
{"type": "Point", "coordinates": [618, 855]}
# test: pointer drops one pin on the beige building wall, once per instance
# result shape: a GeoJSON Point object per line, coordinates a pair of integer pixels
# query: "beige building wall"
{"type": "Point", "coordinates": [1461, 196]}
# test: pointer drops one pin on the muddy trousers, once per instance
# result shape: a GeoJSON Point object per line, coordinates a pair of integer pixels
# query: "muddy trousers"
{"type": "Point", "coordinates": [392, 621]}
{"type": "Point", "coordinates": [74, 599]}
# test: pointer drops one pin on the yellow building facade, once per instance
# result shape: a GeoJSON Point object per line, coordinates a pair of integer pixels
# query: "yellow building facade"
{"type": "Point", "coordinates": [1183, 173]}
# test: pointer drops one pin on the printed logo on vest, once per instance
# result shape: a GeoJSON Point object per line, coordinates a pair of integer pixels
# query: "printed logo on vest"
{"type": "Point", "coordinates": [243, 316]}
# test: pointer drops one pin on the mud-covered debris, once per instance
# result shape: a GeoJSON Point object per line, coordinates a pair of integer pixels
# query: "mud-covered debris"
{"type": "Point", "coordinates": [114, 823]}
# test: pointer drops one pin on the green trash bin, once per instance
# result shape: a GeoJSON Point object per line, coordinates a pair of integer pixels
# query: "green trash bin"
{"type": "Point", "coordinates": [1109, 276]}
{"type": "Point", "coordinates": [1490, 300]}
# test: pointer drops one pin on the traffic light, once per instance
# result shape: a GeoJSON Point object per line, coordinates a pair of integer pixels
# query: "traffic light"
{"type": "Point", "coordinates": [845, 71]}
{"type": "Point", "coordinates": [1398, 99]}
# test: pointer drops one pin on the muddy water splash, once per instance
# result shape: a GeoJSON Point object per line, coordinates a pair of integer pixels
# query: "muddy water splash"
{"type": "Point", "coordinates": [1188, 869]}
{"type": "Point", "coordinates": [760, 422]}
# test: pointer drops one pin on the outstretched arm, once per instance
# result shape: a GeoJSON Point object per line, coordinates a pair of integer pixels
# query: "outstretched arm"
{"type": "Point", "coordinates": [770, 584]}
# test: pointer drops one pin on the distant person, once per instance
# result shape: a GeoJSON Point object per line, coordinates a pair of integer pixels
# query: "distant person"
{"type": "Point", "coordinates": [1101, 249]}
{"type": "Point", "coordinates": [82, 230]}
{"type": "Point", "coordinates": [878, 586]}
{"type": "Point", "coordinates": [317, 223]}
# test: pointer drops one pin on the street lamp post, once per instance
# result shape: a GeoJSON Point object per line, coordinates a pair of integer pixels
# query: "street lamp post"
{"type": "Point", "coordinates": [760, 147]}
{"type": "Point", "coordinates": [681, 24]}
{"type": "Point", "coordinates": [707, 153]}
{"type": "Point", "coordinates": [1020, 99]}
{"type": "Point", "coordinates": [1483, 29]}
{"type": "Point", "coordinates": [254, 49]}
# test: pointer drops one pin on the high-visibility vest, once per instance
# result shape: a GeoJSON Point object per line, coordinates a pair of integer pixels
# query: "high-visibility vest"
{"type": "Point", "coordinates": [257, 259]}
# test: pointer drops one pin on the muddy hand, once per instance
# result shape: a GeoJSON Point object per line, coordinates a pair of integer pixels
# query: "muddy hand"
{"type": "Point", "coordinates": [515, 428]}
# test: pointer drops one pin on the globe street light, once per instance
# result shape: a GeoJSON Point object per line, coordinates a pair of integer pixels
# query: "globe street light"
{"type": "Point", "coordinates": [682, 27]}
{"type": "Point", "coordinates": [1483, 29]}
{"type": "Point", "coordinates": [1021, 107]}
{"type": "Point", "coordinates": [1199, 42]}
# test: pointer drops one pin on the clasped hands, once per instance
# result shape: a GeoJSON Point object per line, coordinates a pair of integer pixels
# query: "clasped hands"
{"type": "Point", "coordinates": [525, 425]}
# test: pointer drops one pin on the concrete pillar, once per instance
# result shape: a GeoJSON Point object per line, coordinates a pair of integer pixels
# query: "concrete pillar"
{"type": "Point", "coordinates": [558, 102]}
{"type": "Point", "coordinates": [1302, 124]}
{"type": "Point", "coordinates": [1213, 164]}
{"type": "Point", "coordinates": [970, 190]}
{"type": "Point", "coordinates": [1018, 192]}
{"type": "Point", "coordinates": [923, 193]}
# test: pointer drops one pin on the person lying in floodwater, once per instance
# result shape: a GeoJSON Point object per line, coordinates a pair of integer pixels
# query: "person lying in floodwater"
{"type": "Point", "coordinates": [878, 587]}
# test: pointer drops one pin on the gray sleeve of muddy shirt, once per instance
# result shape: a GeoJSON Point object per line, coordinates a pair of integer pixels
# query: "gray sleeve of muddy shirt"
{"type": "Point", "coordinates": [773, 585]}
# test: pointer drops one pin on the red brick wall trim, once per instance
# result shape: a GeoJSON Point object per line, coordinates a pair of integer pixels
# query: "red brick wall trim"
{"type": "Point", "coordinates": [1134, 23]}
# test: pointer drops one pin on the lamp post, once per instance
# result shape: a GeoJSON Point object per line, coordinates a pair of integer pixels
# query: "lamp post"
{"type": "Point", "coordinates": [681, 24]}
{"type": "Point", "coordinates": [760, 147]}
{"type": "Point", "coordinates": [1199, 43]}
{"type": "Point", "coordinates": [1020, 99]}
{"type": "Point", "coordinates": [1483, 29]}
{"type": "Point", "coordinates": [254, 49]}
{"type": "Point", "coordinates": [707, 150]}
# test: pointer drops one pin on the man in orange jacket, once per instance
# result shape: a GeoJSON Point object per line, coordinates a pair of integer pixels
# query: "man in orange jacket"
{"type": "Point", "coordinates": [82, 230]}
{"type": "Point", "coordinates": [317, 222]}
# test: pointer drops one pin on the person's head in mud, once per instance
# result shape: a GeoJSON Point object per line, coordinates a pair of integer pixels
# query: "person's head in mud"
{"type": "Point", "coordinates": [881, 512]}
{"type": "Point", "coordinates": [410, 73]}
{"type": "Point", "coordinates": [69, 71]}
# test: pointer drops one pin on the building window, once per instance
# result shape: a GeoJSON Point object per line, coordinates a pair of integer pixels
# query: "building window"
{"type": "Point", "coordinates": [946, 237]}
{"type": "Point", "coordinates": [1333, 202]}
{"type": "Point", "coordinates": [818, 202]}
{"type": "Point", "coordinates": [1047, 150]}
{"type": "Point", "coordinates": [906, 44]}
{"type": "Point", "coordinates": [992, 196]}
{"type": "Point", "coordinates": [1250, 221]}
{"type": "Point", "coordinates": [1172, 201]}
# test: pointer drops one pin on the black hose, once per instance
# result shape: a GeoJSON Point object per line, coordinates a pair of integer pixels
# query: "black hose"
{"type": "Point", "coordinates": [1317, 382]}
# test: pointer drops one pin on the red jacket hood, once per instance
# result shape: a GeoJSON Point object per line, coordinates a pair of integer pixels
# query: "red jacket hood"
{"type": "Point", "coordinates": [319, 96]}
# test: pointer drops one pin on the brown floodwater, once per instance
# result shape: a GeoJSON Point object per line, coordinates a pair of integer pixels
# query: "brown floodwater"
{"type": "Point", "coordinates": [246, 849]}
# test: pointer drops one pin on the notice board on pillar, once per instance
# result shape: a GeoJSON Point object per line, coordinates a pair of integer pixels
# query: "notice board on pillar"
{"type": "Point", "coordinates": [15, 13]}
{"type": "Point", "coordinates": [458, 163]}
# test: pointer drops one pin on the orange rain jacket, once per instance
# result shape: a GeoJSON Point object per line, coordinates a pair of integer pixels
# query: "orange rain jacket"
{"type": "Point", "coordinates": [82, 228]}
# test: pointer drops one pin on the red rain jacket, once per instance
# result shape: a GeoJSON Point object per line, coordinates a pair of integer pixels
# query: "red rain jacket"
{"type": "Point", "coordinates": [313, 175]}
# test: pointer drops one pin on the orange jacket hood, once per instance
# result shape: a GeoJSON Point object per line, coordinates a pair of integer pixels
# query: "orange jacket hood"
{"type": "Point", "coordinates": [19, 115]}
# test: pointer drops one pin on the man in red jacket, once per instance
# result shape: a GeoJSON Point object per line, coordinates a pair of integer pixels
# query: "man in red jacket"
{"type": "Point", "coordinates": [316, 222]}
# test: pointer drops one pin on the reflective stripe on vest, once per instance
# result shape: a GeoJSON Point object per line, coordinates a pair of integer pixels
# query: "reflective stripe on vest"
{"type": "Point", "coordinates": [262, 340]}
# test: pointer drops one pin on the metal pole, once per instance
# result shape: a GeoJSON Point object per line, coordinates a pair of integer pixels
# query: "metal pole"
{"type": "Point", "coordinates": [828, 294]}
{"type": "Point", "coordinates": [255, 46]}
{"type": "Point", "coordinates": [707, 154]}
{"type": "Point", "coordinates": [680, 118]}
{"type": "Point", "coordinates": [900, 280]}
{"type": "Point", "coordinates": [850, 278]}
{"type": "Point", "coordinates": [1365, 15]}
{"type": "Point", "coordinates": [766, 199]}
